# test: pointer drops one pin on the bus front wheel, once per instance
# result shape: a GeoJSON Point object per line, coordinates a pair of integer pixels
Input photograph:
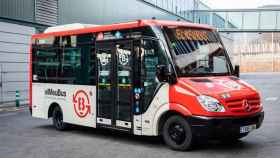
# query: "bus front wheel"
{"type": "Point", "coordinates": [57, 117]}
{"type": "Point", "coordinates": [177, 133]}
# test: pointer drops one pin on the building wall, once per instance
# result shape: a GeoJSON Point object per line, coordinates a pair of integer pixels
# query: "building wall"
{"type": "Point", "coordinates": [259, 62]}
{"type": "Point", "coordinates": [108, 11]}
{"type": "Point", "coordinates": [18, 9]}
{"type": "Point", "coordinates": [19, 19]}
{"type": "Point", "coordinates": [14, 53]}
{"type": "Point", "coordinates": [43, 12]}
{"type": "Point", "coordinates": [46, 12]}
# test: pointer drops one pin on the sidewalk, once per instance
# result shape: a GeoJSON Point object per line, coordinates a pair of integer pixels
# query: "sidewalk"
{"type": "Point", "coordinates": [11, 106]}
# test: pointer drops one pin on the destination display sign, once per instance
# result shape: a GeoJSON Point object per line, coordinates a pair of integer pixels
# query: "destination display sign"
{"type": "Point", "coordinates": [190, 34]}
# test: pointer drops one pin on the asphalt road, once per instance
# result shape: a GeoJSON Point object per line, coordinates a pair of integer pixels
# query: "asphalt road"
{"type": "Point", "coordinates": [26, 137]}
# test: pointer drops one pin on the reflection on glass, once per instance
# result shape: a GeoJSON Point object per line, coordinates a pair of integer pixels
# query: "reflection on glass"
{"type": "Point", "coordinates": [251, 20]}
{"type": "Point", "coordinates": [235, 20]}
{"type": "Point", "coordinates": [267, 20]}
{"type": "Point", "coordinates": [153, 55]}
{"type": "Point", "coordinates": [124, 82]}
{"type": "Point", "coordinates": [202, 17]}
{"type": "Point", "coordinates": [219, 19]}
{"type": "Point", "coordinates": [278, 20]}
{"type": "Point", "coordinates": [179, 6]}
{"type": "Point", "coordinates": [105, 94]}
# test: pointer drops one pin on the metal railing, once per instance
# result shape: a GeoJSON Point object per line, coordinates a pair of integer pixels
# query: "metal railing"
{"type": "Point", "coordinates": [8, 95]}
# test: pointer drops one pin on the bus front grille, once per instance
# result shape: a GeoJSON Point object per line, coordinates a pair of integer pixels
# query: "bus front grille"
{"type": "Point", "coordinates": [245, 104]}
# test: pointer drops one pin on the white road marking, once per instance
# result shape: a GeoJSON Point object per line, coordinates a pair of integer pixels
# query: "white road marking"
{"type": "Point", "coordinates": [271, 98]}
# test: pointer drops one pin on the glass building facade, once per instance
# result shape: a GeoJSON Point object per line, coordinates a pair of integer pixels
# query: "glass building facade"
{"type": "Point", "coordinates": [252, 36]}
{"type": "Point", "coordinates": [182, 8]}
{"type": "Point", "coordinates": [240, 20]}
{"type": "Point", "coordinates": [254, 51]}
{"type": "Point", "coordinates": [260, 19]}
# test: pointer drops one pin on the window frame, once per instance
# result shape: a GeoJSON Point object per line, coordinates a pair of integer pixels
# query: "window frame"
{"type": "Point", "coordinates": [60, 47]}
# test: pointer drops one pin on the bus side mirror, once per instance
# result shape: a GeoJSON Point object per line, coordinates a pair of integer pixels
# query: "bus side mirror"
{"type": "Point", "coordinates": [237, 70]}
{"type": "Point", "coordinates": [164, 74]}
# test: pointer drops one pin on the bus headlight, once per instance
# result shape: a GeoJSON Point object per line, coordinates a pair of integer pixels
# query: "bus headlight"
{"type": "Point", "coordinates": [210, 104]}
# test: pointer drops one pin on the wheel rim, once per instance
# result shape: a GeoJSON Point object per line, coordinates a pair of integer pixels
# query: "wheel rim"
{"type": "Point", "coordinates": [177, 133]}
{"type": "Point", "coordinates": [59, 119]}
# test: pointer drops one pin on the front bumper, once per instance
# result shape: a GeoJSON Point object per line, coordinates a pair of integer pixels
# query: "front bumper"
{"type": "Point", "coordinates": [217, 127]}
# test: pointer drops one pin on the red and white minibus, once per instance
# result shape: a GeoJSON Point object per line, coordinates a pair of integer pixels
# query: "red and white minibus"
{"type": "Point", "coordinates": [146, 77]}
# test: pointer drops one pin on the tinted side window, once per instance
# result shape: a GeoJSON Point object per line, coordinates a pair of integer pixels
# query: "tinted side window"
{"type": "Point", "coordinates": [67, 60]}
{"type": "Point", "coordinates": [88, 72]}
{"type": "Point", "coordinates": [70, 60]}
{"type": "Point", "coordinates": [46, 60]}
{"type": "Point", "coordinates": [78, 60]}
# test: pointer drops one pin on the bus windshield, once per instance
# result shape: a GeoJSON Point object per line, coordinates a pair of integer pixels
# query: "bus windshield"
{"type": "Point", "coordinates": [197, 52]}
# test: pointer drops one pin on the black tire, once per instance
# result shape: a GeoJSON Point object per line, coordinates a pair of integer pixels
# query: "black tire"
{"type": "Point", "coordinates": [57, 117]}
{"type": "Point", "coordinates": [177, 133]}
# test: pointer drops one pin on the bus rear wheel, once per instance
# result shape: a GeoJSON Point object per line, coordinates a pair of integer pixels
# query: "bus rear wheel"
{"type": "Point", "coordinates": [57, 117]}
{"type": "Point", "coordinates": [177, 133]}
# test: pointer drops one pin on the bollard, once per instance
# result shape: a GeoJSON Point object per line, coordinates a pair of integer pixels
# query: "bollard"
{"type": "Point", "coordinates": [17, 98]}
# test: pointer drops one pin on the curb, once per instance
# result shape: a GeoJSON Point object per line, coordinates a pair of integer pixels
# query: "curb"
{"type": "Point", "coordinates": [5, 106]}
{"type": "Point", "coordinates": [4, 109]}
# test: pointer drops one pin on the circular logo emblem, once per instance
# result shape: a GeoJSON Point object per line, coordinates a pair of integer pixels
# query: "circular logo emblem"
{"type": "Point", "coordinates": [123, 56]}
{"type": "Point", "coordinates": [81, 103]}
{"type": "Point", "coordinates": [104, 58]}
{"type": "Point", "coordinates": [246, 105]}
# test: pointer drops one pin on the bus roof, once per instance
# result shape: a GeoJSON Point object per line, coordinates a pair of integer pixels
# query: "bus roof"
{"type": "Point", "coordinates": [119, 26]}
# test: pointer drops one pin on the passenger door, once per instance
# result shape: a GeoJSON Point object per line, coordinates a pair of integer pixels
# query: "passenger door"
{"type": "Point", "coordinates": [115, 84]}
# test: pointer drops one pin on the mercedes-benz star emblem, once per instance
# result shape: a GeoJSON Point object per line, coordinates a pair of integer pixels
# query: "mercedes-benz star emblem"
{"type": "Point", "coordinates": [246, 105]}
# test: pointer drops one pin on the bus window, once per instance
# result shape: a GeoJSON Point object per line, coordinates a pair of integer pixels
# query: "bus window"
{"type": "Point", "coordinates": [124, 80]}
{"type": "Point", "coordinates": [78, 60]}
{"type": "Point", "coordinates": [88, 68]}
{"type": "Point", "coordinates": [152, 55]}
{"type": "Point", "coordinates": [67, 60]}
{"type": "Point", "coordinates": [70, 60]}
{"type": "Point", "coordinates": [198, 52]}
{"type": "Point", "coordinates": [45, 57]}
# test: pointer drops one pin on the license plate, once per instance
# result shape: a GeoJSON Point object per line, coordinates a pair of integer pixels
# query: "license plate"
{"type": "Point", "coordinates": [246, 129]}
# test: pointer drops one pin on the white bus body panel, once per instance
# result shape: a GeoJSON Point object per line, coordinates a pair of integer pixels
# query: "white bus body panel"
{"type": "Point", "coordinates": [77, 102]}
{"type": "Point", "coordinates": [39, 109]}
{"type": "Point", "coordinates": [145, 124]}
{"type": "Point", "coordinates": [157, 108]}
